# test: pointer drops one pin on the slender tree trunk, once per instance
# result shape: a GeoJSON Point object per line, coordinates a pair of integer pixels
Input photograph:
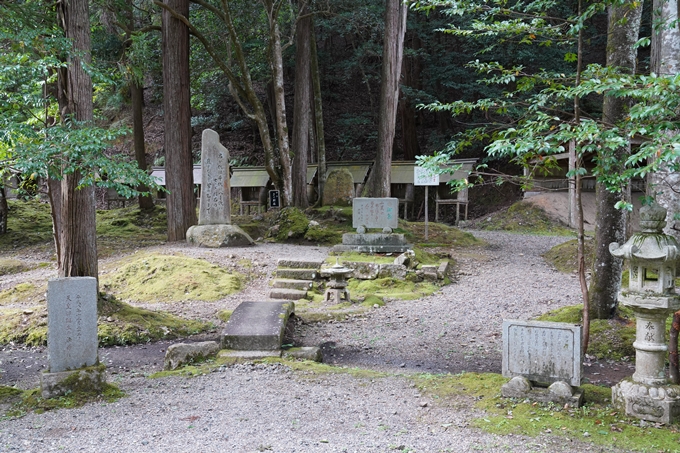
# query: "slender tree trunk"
{"type": "Point", "coordinates": [624, 26]}
{"type": "Point", "coordinates": [4, 211]}
{"type": "Point", "coordinates": [318, 119]}
{"type": "Point", "coordinates": [77, 240]}
{"type": "Point", "coordinates": [301, 114]}
{"type": "Point", "coordinates": [276, 59]}
{"type": "Point", "coordinates": [181, 201]}
{"type": "Point", "coordinates": [137, 98]}
{"type": "Point", "coordinates": [407, 111]}
{"type": "Point", "coordinates": [378, 184]}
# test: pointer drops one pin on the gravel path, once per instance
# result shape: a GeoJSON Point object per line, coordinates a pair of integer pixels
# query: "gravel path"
{"type": "Point", "coordinates": [250, 408]}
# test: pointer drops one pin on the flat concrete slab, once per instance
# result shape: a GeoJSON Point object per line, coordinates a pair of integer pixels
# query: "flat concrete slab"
{"type": "Point", "coordinates": [257, 326]}
{"type": "Point", "coordinates": [287, 294]}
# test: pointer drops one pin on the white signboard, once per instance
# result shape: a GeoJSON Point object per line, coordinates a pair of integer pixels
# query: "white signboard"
{"type": "Point", "coordinates": [424, 177]}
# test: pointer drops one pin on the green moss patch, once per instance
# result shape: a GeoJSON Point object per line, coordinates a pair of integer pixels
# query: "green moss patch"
{"type": "Point", "coordinates": [120, 324]}
{"type": "Point", "coordinates": [391, 288]}
{"type": "Point", "coordinates": [31, 401]}
{"type": "Point", "coordinates": [597, 422]}
{"type": "Point", "coordinates": [292, 224]}
{"type": "Point", "coordinates": [439, 235]}
{"type": "Point", "coordinates": [23, 293]}
{"type": "Point", "coordinates": [124, 229]}
{"type": "Point", "coordinates": [148, 277]}
{"type": "Point", "coordinates": [14, 266]}
{"type": "Point", "coordinates": [609, 338]}
{"type": "Point", "coordinates": [564, 257]}
{"type": "Point", "coordinates": [28, 223]}
{"type": "Point", "coordinates": [524, 217]}
{"type": "Point", "coordinates": [27, 326]}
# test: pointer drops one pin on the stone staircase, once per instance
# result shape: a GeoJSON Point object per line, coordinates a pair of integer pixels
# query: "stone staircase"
{"type": "Point", "coordinates": [294, 279]}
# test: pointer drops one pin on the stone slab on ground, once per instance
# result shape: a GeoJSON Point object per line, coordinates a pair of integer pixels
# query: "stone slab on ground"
{"type": "Point", "coordinates": [373, 243]}
{"type": "Point", "coordinates": [71, 323]}
{"type": "Point", "coordinates": [297, 274]}
{"type": "Point", "coordinates": [292, 284]}
{"type": "Point", "coordinates": [257, 326]}
{"type": "Point", "coordinates": [287, 294]}
{"type": "Point", "coordinates": [298, 264]}
{"type": "Point", "coordinates": [215, 236]}
{"type": "Point", "coordinates": [180, 354]}
{"type": "Point", "coordinates": [248, 355]}
{"type": "Point", "coordinates": [542, 352]}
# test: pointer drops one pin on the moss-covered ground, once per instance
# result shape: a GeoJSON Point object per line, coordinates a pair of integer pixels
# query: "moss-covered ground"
{"type": "Point", "coordinates": [564, 257]}
{"type": "Point", "coordinates": [22, 402]}
{"type": "Point", "coordinates": [524, 217]}
{"type": "Point", "coordinates": [119, 324]}
{"type": "Point", "coordinates": [152, 277]}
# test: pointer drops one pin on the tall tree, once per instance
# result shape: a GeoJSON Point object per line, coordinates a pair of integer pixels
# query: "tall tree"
{"type": "Point", "coordinates": [74, 207]}
{"type": "Point", "coordinates": [378, 184]}
{"type": "Point", "coordinates": [181, 201]}
{"type": "Point", "coordinates": [302, 109]}
{"type": "Point", "coordinates": [623, 31]}
{"type": "Point", "coordinates": [318, 120]}
{"type": "Point", "coordinates": [664, 184]}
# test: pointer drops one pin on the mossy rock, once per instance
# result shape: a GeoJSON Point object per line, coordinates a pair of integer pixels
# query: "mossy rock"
{"type": "Point", "coordinates": [339, 188]}
{"type": "Point", "coordinates": [152, 277]}
{"type": "Point", "coordinates": [292, 224]}
{"type": "Point", "coordinates": [564, 257]}
{"type": "Point", "coordinates": [524, 217]}
{"type": "Point", "coordinates": [321, 234]}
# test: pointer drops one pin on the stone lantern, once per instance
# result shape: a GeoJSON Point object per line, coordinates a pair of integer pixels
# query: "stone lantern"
{"type": "Point", "coordinates": [651, 295]}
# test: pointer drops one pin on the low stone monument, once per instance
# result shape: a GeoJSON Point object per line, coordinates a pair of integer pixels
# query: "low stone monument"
{"type": "Point", "coordinates": [72, 344]}
{"type": "Point", "coordinates": [257, 326]}
{"type": "Point", "coordinates": [651, 295]}
{"type": "Point", "coordinates": [537, 354]}
{"type": "Point", "coordinates": [214, 227]}
{"type": "Point", "coordinates": [379, 213]}
{"type": "Point", "coordinates": [339, 188]}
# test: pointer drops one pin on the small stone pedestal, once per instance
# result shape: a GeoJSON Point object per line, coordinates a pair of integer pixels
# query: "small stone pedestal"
{"type": "Point", "coordinates": [336, 288]}
{"type": "Point", "coordinates": [651, 295]}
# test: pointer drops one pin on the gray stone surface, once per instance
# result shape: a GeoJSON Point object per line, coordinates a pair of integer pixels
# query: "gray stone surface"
{"type": "Point", "coordinates": [89, 380]}
{"type": "Point", "coordinates": [297, 274]}
{"type": "Point", "coordinates": [648, 402]}
{"type": "Point", "coordinates": [561, 389]}
{"type": "Point", "coordinates": [517, 387]}
{"type": "Point", "coordinates": [287, 294]}
{"type": "Point", "coordinates": [248, 354]}
{"type": "Point", "coordinates": [443, 269]}
{"type": "Point", "coordinates": [542, 352]}
{"type": "Point", "coordinates": [559, 392]}
{"type": "Point", "coordinates": [257, 326]}
{"type": "Point", "coordinates": [71, 323]}
{"type": "Point", "coordinates": [215, 236]}
{"type": "Point", "coordinates": [429, 272]}
{"type": "Point", "coordinates": [392, 270]}
{"type": "Point", "coordinates": [305, 353]}
{"type": "Point", "coordinates": [215, 206]}
{"type": "Point", "coordinates": [180, 354]}
{"type": "Point", "coordinates": [298, 264]}
{"type": "Point", "coordinates": [375, 213]}
{"type": "Point", "coordinates": [302, 285]}
{"type": "Point", "coordinates": [339, 188]}
{"type": "Point", "coordinates": [373, 243]}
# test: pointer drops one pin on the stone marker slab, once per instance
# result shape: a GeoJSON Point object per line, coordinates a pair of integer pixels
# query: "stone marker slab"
{"type": "Point", "coordinates": [215, 191]}
{"type": "Point", "coordinates": [257, 326]}
{"type": "Point", "coordinates": [71, 323]}
{"type": "Point", "coordinates": [375, 212]}
{"type": "Point", "coordinates": [543, 352]}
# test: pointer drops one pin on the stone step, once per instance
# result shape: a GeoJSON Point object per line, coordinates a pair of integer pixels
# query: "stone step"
{"type": "Point", "coordinates": [296, 264]}
{"type": "Point", "coordinates": [292, 284]}
{"type": "Point", "coordinates": [257, 326]}
{"type": "Point", "coordinates": [287, 294]}
{"type": "Point", "coordinates": [298, 274]}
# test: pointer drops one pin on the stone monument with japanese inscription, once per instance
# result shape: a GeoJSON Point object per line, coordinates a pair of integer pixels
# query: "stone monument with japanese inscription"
{"type": "Point", "coordinates": [214, 227]}
{"type": "Point", "coordinates": [537, 355]}
{"type": "Point", "coordinates": [374, 213]}
{"type": "Point", "coordinates": [72, 344]}
{"type": "Point", "coordinates": [652, 259]}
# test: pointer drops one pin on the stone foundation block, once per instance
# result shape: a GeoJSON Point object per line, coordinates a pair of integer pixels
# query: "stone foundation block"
{"type": "Point", "coordinates": [87, 380]}
{"type": "Point", "coordinates": [648, 402]}
{"type": "Point", "coordinates": [180, 354]}
{"type": "Point", "coordinates": [215, 236]}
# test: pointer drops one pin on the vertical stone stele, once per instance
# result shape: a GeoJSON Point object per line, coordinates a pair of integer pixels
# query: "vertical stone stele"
{"type": "Point", "coordinates": [214, 227]}
{"type": "Point", "coordinates": [72, 343]}
{"type": "Point", "coordinates": [651, 295]}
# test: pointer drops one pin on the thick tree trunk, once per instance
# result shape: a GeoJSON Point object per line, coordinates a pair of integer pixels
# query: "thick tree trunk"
{"type": "Point", "coordinates": [137, 98]}
{"type": "Point", "coordinates": [181, 201]}
{"type": "Point", "coordinates": [624, 26]}
{"type": "Point", "coordinates": [318, 120]}
{"type": "Point", "coordinates": [301, 110]}
{"type": "Point", "coordinates": [664, 184]}
{"type": "Point", "coordinates": [378, 184]}
{"type": "Point", "coordinates": [411, 78]}
{"type": "Point", "coordinates": [77, 237]}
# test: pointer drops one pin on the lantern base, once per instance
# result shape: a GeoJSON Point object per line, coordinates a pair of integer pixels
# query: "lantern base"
{"type": "Point", "coordinates": [655, 403]}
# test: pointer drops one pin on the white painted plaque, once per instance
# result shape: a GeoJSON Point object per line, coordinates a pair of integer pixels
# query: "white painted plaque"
{"type": "Point", "coordinates": [375, 212]}
{"type": "Point", "coordinates": [424, 177]}
{"type": "Point", "coordinates": [542, 352]}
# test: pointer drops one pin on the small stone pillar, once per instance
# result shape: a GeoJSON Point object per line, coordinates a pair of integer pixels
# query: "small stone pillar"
{"type": "Point", "coordinates": [652, 297]}
{"type": "Point", "coordinates": [336, 288]}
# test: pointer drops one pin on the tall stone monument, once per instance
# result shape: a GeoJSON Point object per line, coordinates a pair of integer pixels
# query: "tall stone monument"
{"type": "Point", "coordinates": [72, 344]}
{"type": "Point", "coordinates": [214, 227]}
{"type": "Point", "coordinates": [651, 295]}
